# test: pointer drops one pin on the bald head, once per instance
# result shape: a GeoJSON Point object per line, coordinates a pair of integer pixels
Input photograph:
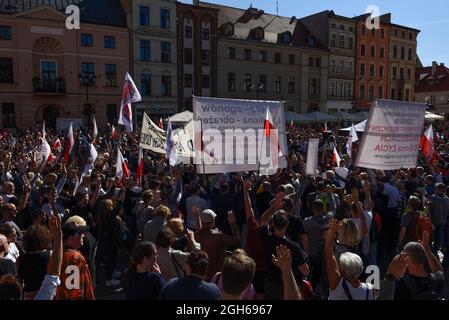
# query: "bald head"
{"type": "Point", "coordinates": [8, 188]}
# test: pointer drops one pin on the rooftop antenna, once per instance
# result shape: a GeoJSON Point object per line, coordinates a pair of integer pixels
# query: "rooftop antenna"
{"type": "Point", "coordinates": [277, 8]}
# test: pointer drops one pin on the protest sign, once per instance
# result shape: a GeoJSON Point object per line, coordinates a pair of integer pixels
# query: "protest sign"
{"type": "Point", "coordinates": [230, 137]}
{"type": "Point", "coordinates": [312, 157]}
{"type": "Point", "coordinates": [392, 135]}
{"type": "Point", "coordinates": [153, 138]}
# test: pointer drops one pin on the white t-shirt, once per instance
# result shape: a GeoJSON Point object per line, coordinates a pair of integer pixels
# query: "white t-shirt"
{"type": "Point", "coordinates": [356, 293]}
{"type": "Point", "coordinates": [13, 252]}
{"type": "Point", "coordinates": [369, 220]}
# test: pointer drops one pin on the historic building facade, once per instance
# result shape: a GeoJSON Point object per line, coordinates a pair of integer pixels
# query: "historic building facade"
{"type": "Point", "coordinates": [48, 72]}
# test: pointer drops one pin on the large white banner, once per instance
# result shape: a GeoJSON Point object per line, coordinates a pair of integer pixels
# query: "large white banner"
{"type": "Point", "coordinates": [312, 157]}
{"type": "Point", "coordinates": [392, 134]}
{"type": "Point", "coordinates": [229, 136]}
{"type": "Point", "coordinates": [153, 138]}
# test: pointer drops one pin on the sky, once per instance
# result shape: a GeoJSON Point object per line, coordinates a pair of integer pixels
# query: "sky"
{"type": "Point", "coordinates": [429, 16]}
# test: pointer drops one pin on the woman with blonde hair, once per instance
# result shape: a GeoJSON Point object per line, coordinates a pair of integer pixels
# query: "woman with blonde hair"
{"type": "Point", "coordinates": [176, 225]}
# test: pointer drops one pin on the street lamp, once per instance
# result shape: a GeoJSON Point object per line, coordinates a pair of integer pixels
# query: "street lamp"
{"type": "Point", "coordinates": [87, 81]}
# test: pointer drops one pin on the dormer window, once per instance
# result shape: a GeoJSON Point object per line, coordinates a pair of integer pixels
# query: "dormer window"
{"type": "Point", "coordinates": [228, 29]}
{"type": "Point", "coordinates": [257, 34]}
{"type": "Point", "coordinates": [286, 37]}
{"type": "Point", "coordinates": [311, 41]}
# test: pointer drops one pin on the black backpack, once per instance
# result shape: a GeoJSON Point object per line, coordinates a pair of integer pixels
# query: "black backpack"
{"type": "Point", "coordinates": [428, 294]}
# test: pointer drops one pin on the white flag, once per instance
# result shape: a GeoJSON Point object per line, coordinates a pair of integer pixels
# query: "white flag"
{"type": "Point", "coordinates": [130, 95]}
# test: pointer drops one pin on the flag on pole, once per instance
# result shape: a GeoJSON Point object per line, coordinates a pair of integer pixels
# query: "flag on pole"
{"type": "Point", "coordinates": [129, 96]}
{"type": "Point", "coordinates": [336, 157]}
{"type": "Point", "coordinates": [114, 133]}
{"type": "Point", "coordinates": [122, 170]}
{"type": "Point", "coordinates": [57, 145]}
{"type": "Point", "coordinates": [170, 145]}
{"type": "Point", "coordinates": [292, 125]}
{"type": "Point", "coordinates": [93, 154]}
{"type": "Point", "coordinates": [69, 144]}
{"type": "Point", "coordinates": [351, 139]}
{"type": "Point", "coordinates": [95, 131]}
{"type": "Point", "coordinates": [161, 123]}
{"type": "Point", "coordinates": [44, 134]}
{"type": "Point", "coordinates": [140, 165]}
{"type": "Point", "coordinates": [426, 144]}
{"type": "Point", "coordinates": [325, 126]}
{"type": "Point", "coordinates": [269, 125]}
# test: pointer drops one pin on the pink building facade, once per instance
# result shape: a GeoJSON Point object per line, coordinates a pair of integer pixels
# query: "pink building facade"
{"type": "Point", "coordinates": [48, 72]}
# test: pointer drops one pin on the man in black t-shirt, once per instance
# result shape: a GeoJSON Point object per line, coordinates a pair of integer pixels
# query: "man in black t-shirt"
{"type": "Point", "coordinates": [417, 283]}
{"type": "Point", "coordinates": [273, 282]}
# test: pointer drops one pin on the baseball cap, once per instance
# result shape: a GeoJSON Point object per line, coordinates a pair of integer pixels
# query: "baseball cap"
{"type": "Point", "coordinates": [208, 216]}
{"type": "Point", "coordinates": [71, 229]}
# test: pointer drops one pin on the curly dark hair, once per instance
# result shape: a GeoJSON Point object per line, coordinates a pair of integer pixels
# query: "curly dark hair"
{"type": "Point", "coordinates": [36, 239]}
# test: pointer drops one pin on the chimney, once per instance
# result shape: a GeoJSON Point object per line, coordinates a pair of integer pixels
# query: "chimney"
{"type": "Point", "coordinates": [442, 64]}
{"type": "Point", "coordinates": [434, 67]}
{"type": "Point", "coordinates": [196, 2]}
{"type": "Point", "coordinates": [293, 19]}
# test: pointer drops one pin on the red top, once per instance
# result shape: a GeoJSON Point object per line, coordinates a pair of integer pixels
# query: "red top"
{"type": "Point", "coordinates": [254, 247]}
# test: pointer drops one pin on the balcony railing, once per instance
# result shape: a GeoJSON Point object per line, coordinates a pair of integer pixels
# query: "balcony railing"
{"type": "Point", "coordinates": [48, 86]}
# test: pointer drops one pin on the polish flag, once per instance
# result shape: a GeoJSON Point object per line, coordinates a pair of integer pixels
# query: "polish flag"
{"type": "Point", "coordinates": [170, 145]}
{"type": "Point", "coordinates": [269, 125]}
{"type": "Point", "coordinates": [69, 144]}
{"type": "Point", "coordinates": [336, 158]}
{"type": "Point", "coordinates": [161, 123]}
{"type": "Point", "coordinates": [57, 145]}
{"type": "Point", "coordinates": [325, 126]}
{"type": "Point", "coordinates": [426, 144]}
{"type": "Point", "coordinates": [93, 154]}
{"type": "Point", "coordinates": [114, 133]}
{"type": "Point", "coordinates": [95, 131]}
{"type": "Point", "coordinates": [130, 95]}
{"type": "Point", "coordinates": [46, 152]}
{"type": "Point", "coordinates": [140, 168]}
{"type": "Point", "coordinates": [122, 170]}
{"type": "Point", "coordinates": [292, 125]}
{"type": "Point", "coordinates": [353, 137]}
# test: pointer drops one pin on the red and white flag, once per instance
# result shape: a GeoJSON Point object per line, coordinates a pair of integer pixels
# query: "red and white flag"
{"type": "Point", "coordinates": [46, 152]}
{"type": "Point", "coordinates": [292, 125]}
{"type": "Point", "coordinates": [269, 125]}
{"type": "Point", "coordinates": [325, 126]}
{"type": "Point", "coordinates": [57, 145]}
{"type": "Point", "coordinates": [114, 133]}
{"type": "Point", "coordinates": [426, 144]}
{"type": "Point", "coordinates": [140, 164]}
{"type": "Point", "coordinates": [93, 154]}
{"type": "Point", "coordinates": [336, 158]}
{"type": "Point", "coordinates": [161, 123]}
{"type": "Point", "coordinates": [95, 131]}
{"type": "Point", "coordinates": [122, 170]}
{"type": "Point", "coordinates": [130, 95]}
{"type": "Point", "coordinates": [69, 144]}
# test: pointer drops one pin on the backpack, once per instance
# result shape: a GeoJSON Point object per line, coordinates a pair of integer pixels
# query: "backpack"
{"type": "Point", "coordinates": [428, 294]}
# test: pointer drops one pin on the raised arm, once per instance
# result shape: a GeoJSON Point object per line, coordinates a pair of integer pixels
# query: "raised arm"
{"type": "Point", "coordinates": [333, 272]}
{"type": "Point", "coordinates": [360, 212]}
{"type": "Point", "coordinates": [434, 263]}
{"type": "Point", "coordinates": [277, 204]}
{"type": "Point", "coordinates": [368, 200]}
{"type": "Point", "coordinates": [249, 212]}
{"type": "Point", "coordinates": [283, 260]}
{"type": "Point", "coordinates": [26, 194]}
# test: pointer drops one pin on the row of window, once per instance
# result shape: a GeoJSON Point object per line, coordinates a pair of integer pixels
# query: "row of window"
{"type": "Point", "coordinates": [372, 70]}
{"type": "Point", "coordinates": [262, 84]}
{"type": "Point", "coordinates": [87, 40]}
{"type": "Point", "coordinates": [146, 84]}
{"type": "Point", "coordinates": [188, 81]}
{"type": "Point", "coordinates": [394, 75]}
{"type": "Point", "coordinates": [263, 55]}
{"type": "Point", "coordinates": [409, 54]}
{"type": "Point", "coordinates": [341, 42]}
{"type": "Point", "coordinates": [341, 66]}
{"type": "Point", "coordinates": [145, 51]}
{"type": "Point", "coordinates": [374, 32]}
{"type": "Point", "coordinates": [372, 52]}
{"type": "Point", "coordinates": [342, 27]}
{"type": "Point", "coordinates": [340, 89]}
{"type": "Point", "coordinates": [380, 93]}
{"type": "Point", "coordinates": [188, 57]}
{"type": "Point", "coordinates": [403, 34]}
{"type": "Point", "coordinates": [144, 17]}
{"type": "Point", "coordinates": [188, 33]}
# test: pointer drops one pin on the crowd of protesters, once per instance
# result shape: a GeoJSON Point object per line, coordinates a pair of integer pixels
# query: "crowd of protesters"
{"type": "Point", "coordinates": [223, 236]}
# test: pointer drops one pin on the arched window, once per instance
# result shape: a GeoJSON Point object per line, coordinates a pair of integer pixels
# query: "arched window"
{"type": "Point", "coordinates": [228, 29]}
